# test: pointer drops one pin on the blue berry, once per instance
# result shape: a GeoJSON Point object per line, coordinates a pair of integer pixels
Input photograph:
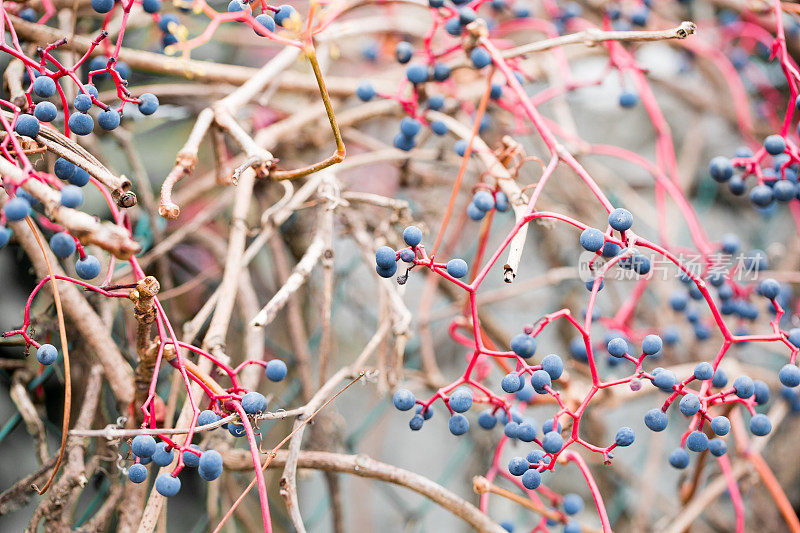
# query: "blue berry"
{"type": "Point", "coordinates": [628, 99]}
{"type": "Point", "coordinates": [761, 392]}
{"type": "Point", "coordinates": [45, 111]}
{"type": "Point", "coordinates": [102, 6]}
{"type": "Point", "coordinates": [412, 236]}
{"type": "Point", "coordinates": [531, 479]}
{"type": "Point", "coordinates": [409, 126]}
{"type": "Point", "coordinates": [665, 380]}
{"type": "Point", "coordinates": [518, 466]}
{"type": "Point", "coordinates": [207, 417]}
{"type": "Point", "coordinates": [167, 20]}
{"type": "Point", "coordinates": [474, 212]}
{"type": "Point", "coordinates": [461, 400]}
{"type": "Point", "coordinates": [166, 484]}
{"type": "Point", "coordinates": [237, 430]}
{"type": "Point", "coordinates": [655, 420]}
{"type": "Point", "coordinates": [501, 201]}
{"type": "Point", "coordinates": [483, 200]}
{"type": "Point", "coordinates": [5, 236]}
{"type": "Point", "coordinates": [480, 57]}
{"type": "Point", "coordinates": [210, 466]}
{"type": "Point", "coordinates": [523, 345]}
{"type": "Point", "coordinates": [234, 6]}
{"type": "Point", "coordinates": [365, 91]}
{"type": "Point", "coordinates": [16, 209]}
{"type": "Point", "coordinates": [27, 125]}
{"type": "Point", "coordinates": [761, 195]}
{"type": "Point", "coordinates": [80, 178]}
{"type": "Point", "coordinates": [275, 370]}
{"type": "Point", "coordinates": [486, 419]}
{"type": "Point", "coordinates": [721, 169]}
{"type": "Point", "coordinates": [526, 431]}
{"type": "Point", "coordinates": [253, 402]}
{"type": "Point", "coordinates": [407, 255]}
{"type": "Point", "coordinates": [47, 354]}
{"type": "Point", "coordinates": [404, 51]}
{"type": "Point", "coordinates": [770, 288]}
{"type": "Point", "coordinates": [689, 405]}
{"type": "Point", "coordinates": [386, 272]}
{"type": "Point", "coordinates": [717, 447]}
{"type": "Point", "coordinates": [108, 119]}
{"type": "Point", "coordinates": [81, 123]}
{"type": "Point", "coordinates": [64, 169]}
{"type": "Point", "coordinates": [511, 428]}
{"type": "Point", "coordinates": [679, 458]}
{"type": "Point", "coordinates": [625, 436]}
{"type": "Point", "coordinates": [28, 14]}
{"type": "Point", "coordinates": [535, 456]}
{"type": "Point", "coordinates": [611, 249]}
{"type": "Point", "coordinates": [775, 144]}
{"type": "Point", "coordinates": [496, 91]}
{"type": "Point", "coordinates": [793, 336]}
{"type": "Point", "coordinates": [148, 104]}
{"type": "Point", "coordinates": [457, 268]}
{"type": "Point", "coordinates": [71, 196]}
{"type": "Point", "coordinates": [88, 267]}
{"type": "Point", "coordinates": [403, 142]}
{"type": "Point", "coordinates": [697, 441]}
{"type": "Point", "coordinates": [190, 459]}
{"type": "Point", "coordinates": [460, 147]}
{"type": "Point", "coordinates": [453, 26]}
{"type": "Point", "coordinates": [743, 386]}
{"type": "Point", "coordinates": [592, 239]}
{"type": "Point", "coordinates": [789, 375]}
{"type": "Point", "coordinates": [617, 347]}
{"type": "Point", "coordinates": [417, 73]}
{"type": "Point", "coordinates": [704, 371]}
{"type": "Point", "coordinates": [436, 102]}
{"type": "Point", "coordinates": [385, 257]}
{"type": "Point", "coordinates": [553, 365]}
{"type": "Point", "coordinates": [44, 86]}
{"type": "Point", "coordinates": [441, 72]}
{"type": "Point", "coordinates": [720, 425]}
{"type": "Point", "coordinates": [760, 425]}
{"type": "Point", "coordinates": [151, 6]}
{"type": "Point", "coordinates": [620, 219]}
{"type": "Point", "coordinates": [266, 21]}
{"type": "Point", "coordinates": [720, 379]}
{"type": "Point", "coordinates": [143, 446]}
{"type": "Point", "coordinates": [783, 190]}
{"type": "Point", "coordinates": [511, 382]}
{"type": "Point", "coordinates": [404, 399]}
{"type": "Point", "coordinates": [652, 344]}
{"type": "Point", "coordinates": [458, 424]}
{"type": "Point", "coordinates": [572, 503]}
{"type": "Point", "coordinates": [552, 442]}
{"type": "Point", "coordinates": [539, 380]}
{"type": "Point", "coordinates": [137, 473]}
{"type": "Point", "coordinates": [284, 13]}
{"type": "Point", "coordinates": [62, 244]}
{"type": "Point", "coordinates": [162, 457]}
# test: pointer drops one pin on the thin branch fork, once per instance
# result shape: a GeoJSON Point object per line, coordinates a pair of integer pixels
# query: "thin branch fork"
{"type": "Point", "coordinates": [593, 37]}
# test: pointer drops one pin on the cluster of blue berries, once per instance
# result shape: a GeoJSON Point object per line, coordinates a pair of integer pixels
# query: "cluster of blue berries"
{"type": "Point", "coordinates": [144, 447]}
{"type": "Point", "coordinates": [62, 243]}
{"type": "Point", "coordinates": [207, 462]}
{"type": "Point", "coordinates": [484, 201]}
{"type": "Point", "coordinates": [691, 404]}
{"type": "Point", "coordinates": [780, 180]}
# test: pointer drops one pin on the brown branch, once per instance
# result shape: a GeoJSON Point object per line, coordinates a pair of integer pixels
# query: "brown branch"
{"type": "Point", "coordinates": [363, 466]}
